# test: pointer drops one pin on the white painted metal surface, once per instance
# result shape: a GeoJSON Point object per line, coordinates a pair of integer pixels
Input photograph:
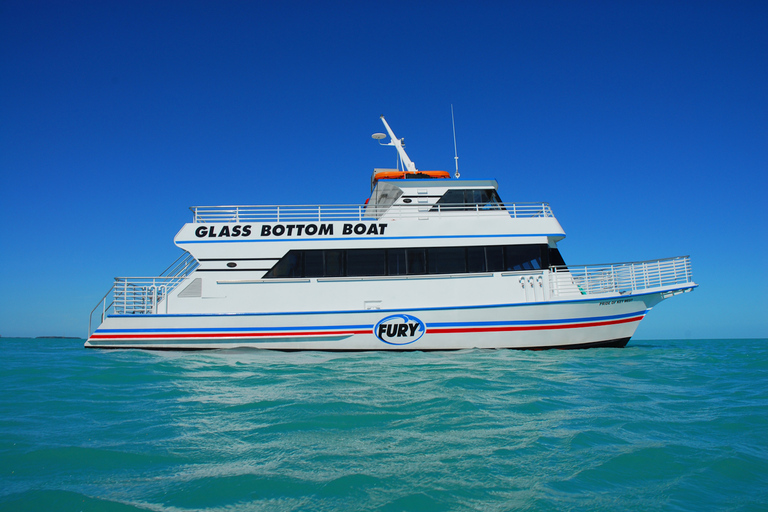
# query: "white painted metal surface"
{"type": "Point", "coordinates": [225, 292]}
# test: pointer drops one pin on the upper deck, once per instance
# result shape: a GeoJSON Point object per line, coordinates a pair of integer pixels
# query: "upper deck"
{"type": "Point", "coordinates": [390, 199]}
{"type": "Point", "coordinates": [460, 211]}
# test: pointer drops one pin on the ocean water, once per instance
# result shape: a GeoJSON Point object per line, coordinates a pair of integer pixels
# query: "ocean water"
{"type": "Point", "coordinates": [659, 425]}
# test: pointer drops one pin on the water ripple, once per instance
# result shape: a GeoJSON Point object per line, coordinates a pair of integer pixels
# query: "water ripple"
{"type": "Point", "coordinates": [668, 425]}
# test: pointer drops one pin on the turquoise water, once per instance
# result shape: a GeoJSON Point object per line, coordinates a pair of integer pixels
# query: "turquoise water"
{"type": "Point", "coordinates": [661, 425]}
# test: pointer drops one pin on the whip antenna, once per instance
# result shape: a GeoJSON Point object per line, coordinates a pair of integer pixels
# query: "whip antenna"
{"type": "Point", "coordinates": [455, 151]}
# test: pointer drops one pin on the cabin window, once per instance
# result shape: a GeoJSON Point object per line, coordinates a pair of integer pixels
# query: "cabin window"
{"type": "Point", "coordinates": [476, 259]}
{"type": "Point", "coordinates": [494, 259]}
{"type": "Point", "coordinates": [447, 260]}
{"type": "Point", "coordinates": [334, 263]}
{"type": "Point", "coordinates": [289, 265]}
{"type": "Point", "coordinates": [522, 257]}
{"type": "Point", "coordinates": [469, 199]}
{"type": "Point", "coordinates": [396, 262]}
{"type": "Point", "coordinates": [414, 261]}
{"type": "Point", "coordinates": [366, 262]}
{"type": "Point", "coordinates": [313, 263]}
{"type": "Point", "coordinates": [555, 258]}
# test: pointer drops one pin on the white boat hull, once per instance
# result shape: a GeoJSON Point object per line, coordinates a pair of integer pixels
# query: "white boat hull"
{"type": "Point", "coordinates": [607, 321]}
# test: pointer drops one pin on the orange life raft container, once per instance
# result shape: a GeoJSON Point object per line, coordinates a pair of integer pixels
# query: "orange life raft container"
{"type": "Point", "coordinates": [391, 174]}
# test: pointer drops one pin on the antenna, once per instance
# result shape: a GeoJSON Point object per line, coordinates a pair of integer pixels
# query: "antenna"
{"type": "Point", "coordinates": [408, 165]}
{"type": "Point", "coordinates": [455, 151]}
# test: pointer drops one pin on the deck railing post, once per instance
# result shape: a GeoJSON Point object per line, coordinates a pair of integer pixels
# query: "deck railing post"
{"type": "Point", "coordinates": [646, 281]}
{"type": "Point", "coordinates": [634, 277]}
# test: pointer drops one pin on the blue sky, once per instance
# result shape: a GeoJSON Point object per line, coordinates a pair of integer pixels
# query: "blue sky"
{"type": "Point", "coordinates": [643, 124]}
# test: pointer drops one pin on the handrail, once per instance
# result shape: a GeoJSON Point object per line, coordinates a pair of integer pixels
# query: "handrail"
{"type": "Point", "coordinates": [147, 295]}
{"type": "Point", "coordinates": [319, 213]}
{"type": "Point", "coordinates": [623, 278]}
{"type": "Point", "coordinates": [104, 309]}
{"type": "Point", "coordinates": [183, 265]}
{"type": "Point", "coordinates": [143, 295]}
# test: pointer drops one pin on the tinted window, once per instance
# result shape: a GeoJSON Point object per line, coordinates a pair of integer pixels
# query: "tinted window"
{"type": "Point", "coordinates": [491, 201]}
{"type": "Point", "coordinates": [288, 266]}
{"type": "Point", "coordinates": [494, 259]}
{"type": "Point", "coordinates": [446, 260]}
{"type": "Point", "coordinates": [522, 257]}
{"type": "Point", "coordinates": [396, 262]}
{"type": "Point", "coordinates": [416, 261]}
{"type": "Point", "coordinates": [475, 259]}
{"type": "Point", "coordinates": [555, 258]}
{"type": "Point", "coordinates": [334, 263]}
{"type": "Point", "coordinates": [366, 262]}
{"type": "Point", "coordinates": [470, 199]}
{"type": "Point", "coordinates": [313, 264]}
{"type": "Point", "coordinates": [451, 197]}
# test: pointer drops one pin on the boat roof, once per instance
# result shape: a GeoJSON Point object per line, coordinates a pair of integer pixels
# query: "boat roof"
{"type": "Point", "coordinates": [442, 183]}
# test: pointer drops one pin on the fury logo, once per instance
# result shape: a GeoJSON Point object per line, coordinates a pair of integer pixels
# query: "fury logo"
{"type": "Point", "coordinates": [399, 329]}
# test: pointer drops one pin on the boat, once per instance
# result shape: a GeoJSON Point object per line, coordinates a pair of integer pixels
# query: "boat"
{"type": "Point", "coordinates": [429, 262]}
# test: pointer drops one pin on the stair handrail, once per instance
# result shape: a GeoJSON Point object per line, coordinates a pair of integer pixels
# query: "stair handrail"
{"type": "Point", "coordinates": [104, 310]}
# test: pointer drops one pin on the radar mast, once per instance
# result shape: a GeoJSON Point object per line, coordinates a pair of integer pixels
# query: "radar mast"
{"type": "Point", "coordinates": [408, 164]}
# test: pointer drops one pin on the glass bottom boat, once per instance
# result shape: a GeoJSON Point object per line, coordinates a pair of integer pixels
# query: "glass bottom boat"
{"type": "Point", "coordinates": [428, 263]}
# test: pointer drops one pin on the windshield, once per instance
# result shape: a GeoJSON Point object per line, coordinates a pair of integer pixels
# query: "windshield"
{"type": "Point", "coordinates": [470, 199]}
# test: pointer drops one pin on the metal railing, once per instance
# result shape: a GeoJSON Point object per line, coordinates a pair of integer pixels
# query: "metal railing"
{"type": "Point", "coordinates": [148, 295]}
{"type": "Point", "coordinates": [182, 267]}
{"type": "Point", "coordinates": [620, 277]}
{"type": "Point", "coordinates": [328, 213]}
{"type": "Point", "coordinates": [143, 295]}
{"type": "Point", "coordinates": [291, 213]}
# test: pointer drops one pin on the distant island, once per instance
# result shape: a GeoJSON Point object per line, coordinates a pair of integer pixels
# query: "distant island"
{"type": "Point", "coordinates": [58, 338]}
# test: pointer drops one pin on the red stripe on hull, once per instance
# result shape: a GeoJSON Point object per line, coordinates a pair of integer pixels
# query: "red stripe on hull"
{"type": "Point", "coordinates": [534, 327]}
